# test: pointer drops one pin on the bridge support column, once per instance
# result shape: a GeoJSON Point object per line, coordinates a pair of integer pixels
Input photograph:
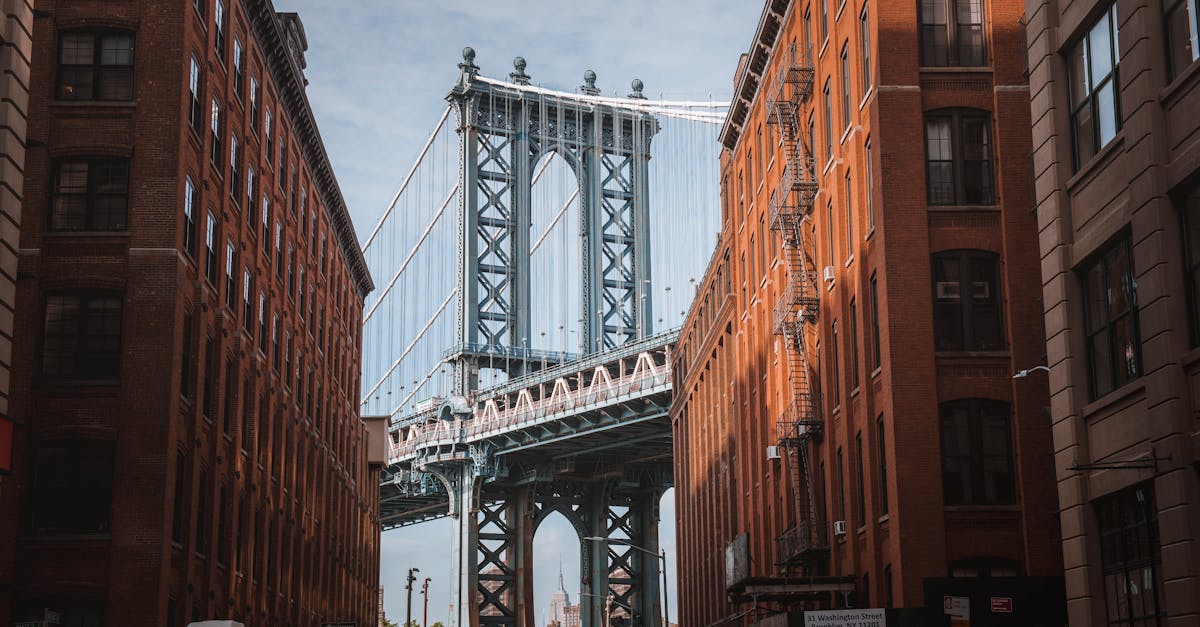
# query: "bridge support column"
{"type": "Point", "coordinates": [463, 488]}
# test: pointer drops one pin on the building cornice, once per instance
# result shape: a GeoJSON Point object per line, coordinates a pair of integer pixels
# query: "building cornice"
{"type": "Point", "coordinates": [750, 75]}
{"type": "Point", "coordinates": [289, 80]}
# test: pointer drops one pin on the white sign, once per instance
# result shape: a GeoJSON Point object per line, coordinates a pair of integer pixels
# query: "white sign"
{"type": "Point", "coordinates": [845, 618]}
{"type": "Point", "coordinates": [956, 607]}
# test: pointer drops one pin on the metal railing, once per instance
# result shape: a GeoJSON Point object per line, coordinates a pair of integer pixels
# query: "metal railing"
{"type": "Point", "coordinates": [802, 543]}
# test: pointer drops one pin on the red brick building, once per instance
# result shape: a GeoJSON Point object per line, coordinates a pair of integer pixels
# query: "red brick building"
{"type": "Point", "coordinates": [186, 362]}
{"type": "Point", "coordinates": [848, 429]}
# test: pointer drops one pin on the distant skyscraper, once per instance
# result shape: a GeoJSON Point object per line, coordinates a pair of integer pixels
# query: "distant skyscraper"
{"type": "Point", "coordinates": [559, 602]}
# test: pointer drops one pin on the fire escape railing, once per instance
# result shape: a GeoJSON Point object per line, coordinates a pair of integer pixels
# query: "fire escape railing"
{"type": "Point", "coordinates": [791, 206]}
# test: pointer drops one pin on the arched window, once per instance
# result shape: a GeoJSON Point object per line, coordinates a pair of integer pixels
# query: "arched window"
{"type": "Point", "coordinates": [958, 157]}
{"type": "Point", "coordinates": [977, 459]}
{"type": "Point", "coordinates": [95, 64]}
{"type": "Point", "coordinates": [966, 301]}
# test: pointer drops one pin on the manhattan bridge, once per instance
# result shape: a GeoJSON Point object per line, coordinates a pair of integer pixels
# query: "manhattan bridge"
{"type": "Point", "coordinates": [536, 263]}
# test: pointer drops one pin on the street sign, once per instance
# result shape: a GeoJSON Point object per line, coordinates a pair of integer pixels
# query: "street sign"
{"type": "Point", "coordinates": [845, 618]}
{"type": "Point", "coordinates": [1002, 605]}
{"type": "Point", "coordinates": [958, 609]}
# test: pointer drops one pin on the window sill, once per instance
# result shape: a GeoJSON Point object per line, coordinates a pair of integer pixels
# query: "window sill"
{"type": "Point", "coordinates": [972, 354]}
{"type": "Point", "coordinates": [990, 207]}
{"type": "Point", "coordinates": [956, 69]}
{"type": "Point", "coordinates": [40, 537]}
{"type": "Point", "coordinates": [1123, 393]}
{"type": "Point", "coordinates": [1103, 156]}
{"type": "Point", "coordinates": [1171, 92]}
{"type": "Point", "coordinates": [846, 133]}
{"type": "Point", "coordinates": [67, 382]}
{"type": "Point", "coordinates": [866, 97]}
{"type": "Point", "coordinates": [883, 520]}
{"type": "Point", "coordinates": [83, 104]}
{"type": "Point", "coordinates": [49, 234]}
{"type": "Point", "coordinates": [980, 509]}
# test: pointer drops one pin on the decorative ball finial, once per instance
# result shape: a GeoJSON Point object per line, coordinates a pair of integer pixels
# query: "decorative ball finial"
{"type": "Point", "coordinates": [468, 55]}
{"type": "Point", "coordinates": [637, 89]}
{"type": "Point", "coordinates": [589, 84]}
{"type": "Point", "coordinates": [518, 75]}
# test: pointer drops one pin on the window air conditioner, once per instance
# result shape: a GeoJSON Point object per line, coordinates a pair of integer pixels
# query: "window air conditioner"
{"type": "Point", "coordinates": [839, 527]}
{"type": "Point", "coordinates": [829, 273]}
{"type": "Point", "coordinates": [773, 452]}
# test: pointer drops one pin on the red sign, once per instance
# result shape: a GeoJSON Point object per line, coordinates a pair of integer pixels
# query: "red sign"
{"type": "Point", "coordinates": [6, 444]}
{"type": "Point", "coordinates": [1002, 605]}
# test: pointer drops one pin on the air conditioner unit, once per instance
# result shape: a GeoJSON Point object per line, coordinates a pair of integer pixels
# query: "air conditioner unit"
{"type": "Point", "coordinates": [773, 452]}
{"type": "Point", "coordinates": [839, 527]}
{"type": "Point", "coordinates": [981, 290]}
{"type": "Point", "coordinates": [829, 274]}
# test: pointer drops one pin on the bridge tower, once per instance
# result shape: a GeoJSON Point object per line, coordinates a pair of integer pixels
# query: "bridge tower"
{"type": "Point", "coordinates": [505, 128]}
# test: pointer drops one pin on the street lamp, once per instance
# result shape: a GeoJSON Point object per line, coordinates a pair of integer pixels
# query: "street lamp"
{"type": "Point", "coordinates": [662, 555]}
{"type": "Point", "coordinates": [1028, 371]}
{"type": "Point", "coordinates": [425, 600]}
{"type": "Point", "coordinates": [609, 601]}
{"type": "Point", "coordinates": [409, 587]}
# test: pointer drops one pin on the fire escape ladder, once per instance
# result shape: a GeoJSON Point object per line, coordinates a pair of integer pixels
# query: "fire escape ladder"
{"type": "Point", "coordinates": [804, 545]}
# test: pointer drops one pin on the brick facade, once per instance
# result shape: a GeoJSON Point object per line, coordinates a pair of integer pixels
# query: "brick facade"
{"type": "Point", "coordinates": [16, 40]}
{"type": "Point", "coordinates": [733, 392]}
{"type": "Point", "coordinates": [212, 466]}
{"type": "Point", "coordinates": [1141, 437]}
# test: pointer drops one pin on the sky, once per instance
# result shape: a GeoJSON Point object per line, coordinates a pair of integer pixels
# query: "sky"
{"type": "Point", "coordinates": [378, 71]}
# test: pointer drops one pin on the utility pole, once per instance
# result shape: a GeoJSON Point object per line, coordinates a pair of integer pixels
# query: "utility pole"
{"type": "Point", "coordinates": [409, 587]}
{"type": "Point", "coordinates": [425, 602]}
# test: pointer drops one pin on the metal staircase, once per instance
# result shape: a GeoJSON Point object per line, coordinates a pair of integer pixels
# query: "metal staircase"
{"type": "Point", "coordinates": [803, 546]}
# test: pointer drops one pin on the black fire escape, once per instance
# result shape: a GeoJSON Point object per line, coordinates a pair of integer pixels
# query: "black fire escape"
{"type": "Point", "coordinates": [800, 549]}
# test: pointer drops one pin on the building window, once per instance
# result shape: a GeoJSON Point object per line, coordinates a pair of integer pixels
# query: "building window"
{"type": "Point", "coordinates": [178, 525]}
{"type": "Point", "coordinates": [278, 249]}
{"type": "Point", "coordinates": [1183, 42]}
{"type": "Point", "coordinates": [1095, 94]}
{"type": "Point", "coordinates": [977, 462]}
{"type": "Point", "coordinates": [90, 195]}
{"type": "Point", "coordinates": [828, 121]}
{"type": "Point", "coordinates": [72, 487]}
{"type": "Point", "coordinates": [255, 105]}
{"type": "Point", "coordinates": [880, 431]}
{"type": "Point", "coordinates": [966, 301]}
{"type": "Point", "coordinates": [202, 530]}
{"type": "Point", "coordinates": [864, 42]}
{"type": "Point", "coordinates": [862, 481]}
{"type": "Point", "coordinates": [889, 599]}
{"type": "Point", "coordinates": [835, 372]}
{"type": "Point", "coordinates": [952, 33]}
{"type": "Point", "coordinates": [207, 389]}
{"type": "Point", "coordinates": [870, 177]}
{"type": "Point", "coordinates": [275, 342]}
{"type": "Point", "coordinates": [82, 335]}
{"type": "Point", "coordinates": [958, 158]}
{"type": "Point", "coordinates": [853, 344]}
{"type": "Point", "coordinates": [1114, 344]}
{"type": "Point", "coordinates": [846, 99]}
{"type": "Point", "coordinates": [214, 139]}
{"type": "Point", "coordinates": [185, 366]}
{"type": "Point", "coordinates": [1191, 248]}
{"type": "Point", "coordinates": [210, 248]}
{"type": "Point", "coordinates": [219, 29]}
{"type": "Point", "coordinates": [189, 217]}
{"type": "Point", "coordinates": [195, 113]}
{"type": "Point", "coordinates": [251, 196]}
{"type": "Point", "coordinates": [262, 322]}
{"type": "Point", "coordinates": [267, 136]}
{"type": "Point", "coordinates": [841, 478]}
{"type": "Point", "coordinates": [247, 307]}
{"type": "Point", "coordinates": [824, 20]}
{"type": "Point", "coordinates": [95, 65]}
{"type": "Point", "coordinates": [200, 6]}
{"type": "Point", "coordinates": [876, 361]}
{"type": "Point", "coordinates": [239, 68]}
{"type": "Point", "coordinates": [266, 227]}
{"type": "Point", "coordinates": [235, 170]}
{"type": "Point", "coordinates": [230, 280]}
{"type": "Point", "coordinates": [1130, 556]}
{"type": "Point", "coordinates": [849, 188]}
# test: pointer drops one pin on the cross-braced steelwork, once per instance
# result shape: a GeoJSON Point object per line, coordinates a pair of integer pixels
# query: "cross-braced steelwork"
{"type": "Point", "coordinates": [525, 427]}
